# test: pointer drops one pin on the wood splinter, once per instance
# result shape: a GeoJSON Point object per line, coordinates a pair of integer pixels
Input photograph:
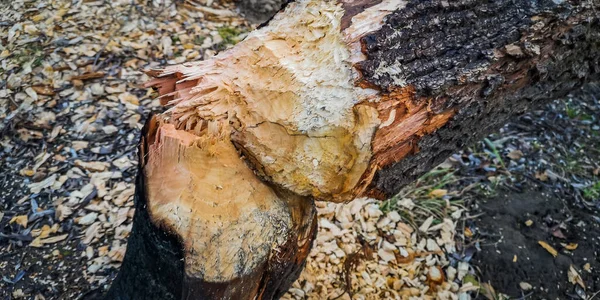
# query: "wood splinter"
{"type": "Point", "coordinates": [330, 101]}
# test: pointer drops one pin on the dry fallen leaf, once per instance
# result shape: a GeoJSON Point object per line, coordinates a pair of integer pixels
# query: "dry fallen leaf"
{"type": "Point", "coordinates": [62, 212]}
{"type": "Point", "coordinates": [548, 248]}
{"type": "Point", "coordinates": [43, 232]}
{"type": "Point", "coordinates": [488, 291]}
{"type": "Point", "coordinates": [87, 219]}
{"type": "Point", "coordinates": [20, 220]}
{"type": "Point", "coordinates": [129, 98]}
{"type": "Point", "coordinates": [55, 239]}
{"type": "Point", "coordinates": [27, 172]}
{"type": "Point", "coordinates": [514, 50]}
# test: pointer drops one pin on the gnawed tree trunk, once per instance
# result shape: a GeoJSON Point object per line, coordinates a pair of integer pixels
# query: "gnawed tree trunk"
{"type": "Point", "coordinates": [329, 101]}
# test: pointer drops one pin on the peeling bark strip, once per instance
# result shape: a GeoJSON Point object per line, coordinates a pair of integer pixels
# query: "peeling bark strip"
{"type": "Point", "coordinates": [330, 101]}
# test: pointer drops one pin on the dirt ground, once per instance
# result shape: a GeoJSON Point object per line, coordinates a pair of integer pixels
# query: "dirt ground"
{"type": "Point", "coordinates": [508, 236]}
{"type": "Point", "coordinates": [547, 201]}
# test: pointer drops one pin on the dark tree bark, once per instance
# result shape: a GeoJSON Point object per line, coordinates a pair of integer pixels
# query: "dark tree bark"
{"type": "Point", "coordinates": [329, 102]}
{"type": "Point", "coordinates": [486, 62]}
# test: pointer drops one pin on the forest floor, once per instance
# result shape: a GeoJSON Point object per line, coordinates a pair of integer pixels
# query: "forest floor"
{"type": "Point", "coordinates": [513, 216]}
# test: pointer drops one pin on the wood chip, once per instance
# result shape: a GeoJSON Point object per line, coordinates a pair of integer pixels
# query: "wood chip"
{"type": "Point", "coordinates": [587, 267]}
{"type": "Point", "coordinates": [39, 242]}
{"type": "Point", "coordinates": [574, 277]}
{"type": "Point", "coordinates": [570, 246]}
{"type": "Point", "coordinates": [525, 286]}
{"type": "Point", "coordinates": [95, 166]}
{"type": "Point", "coordinates": [43, 90]}
{"type": "Point", "coordinates": [438, 193]}
{"type": "Point", "coordinates": [548, 248]}
{"type": "Point", "coordinates": [515, 154]}
{"type": "Point", "coordinates": [39, 186]}
{"type": "Point", "coordinates": [426, 224]}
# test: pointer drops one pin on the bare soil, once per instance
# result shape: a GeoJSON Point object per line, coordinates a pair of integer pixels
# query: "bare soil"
{"type": "Point", "coordinates": [511, 253]}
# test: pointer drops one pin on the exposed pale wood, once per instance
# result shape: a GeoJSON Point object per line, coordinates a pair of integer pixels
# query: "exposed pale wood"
{"type": "Point", "coordinates": [206, 227]}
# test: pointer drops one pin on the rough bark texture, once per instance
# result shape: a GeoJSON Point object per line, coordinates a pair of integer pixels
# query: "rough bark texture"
{"type": "Point", "coordinates": [329, 101]}
{"type": "Point", "coordinates": [485, 61]}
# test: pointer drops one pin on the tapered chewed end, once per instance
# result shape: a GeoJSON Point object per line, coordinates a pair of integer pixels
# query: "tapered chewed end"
{"type": "Point", "coordinates": [201, 189]}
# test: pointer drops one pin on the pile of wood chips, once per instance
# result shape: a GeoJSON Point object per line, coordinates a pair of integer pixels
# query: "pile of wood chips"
{"type": "Point", "coordinates": [363, 253]}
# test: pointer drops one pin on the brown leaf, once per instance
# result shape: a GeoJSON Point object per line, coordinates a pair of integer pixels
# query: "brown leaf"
{"type": "Point", "coordinates": [55, 239]}
{"type": "Point", "coordinates": [525, 286]}
{"type": "Point", "coordinates": [587, 267]}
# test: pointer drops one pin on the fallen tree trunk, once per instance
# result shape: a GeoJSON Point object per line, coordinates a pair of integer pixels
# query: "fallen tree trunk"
{"type": "Point", "coordinates": [329, 102]}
